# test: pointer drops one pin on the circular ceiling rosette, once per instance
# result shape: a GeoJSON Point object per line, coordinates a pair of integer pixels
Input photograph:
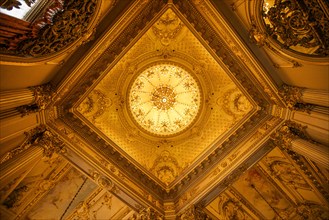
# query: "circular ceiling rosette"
{"type": "Point", "coordinates": [164, 99]}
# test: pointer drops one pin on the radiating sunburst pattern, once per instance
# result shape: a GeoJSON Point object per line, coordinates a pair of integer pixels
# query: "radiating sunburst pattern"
{"type": "Point", "coordinates": [164, 99]}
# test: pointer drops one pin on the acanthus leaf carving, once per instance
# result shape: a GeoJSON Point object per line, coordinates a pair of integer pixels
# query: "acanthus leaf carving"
{"type": "Point", "coordinates": [292, 96]}
{"type": "Point", "coordinates": [63, 23]}
{"type": "Point", "coordinates": [42, 97]}
{"type": "Point", "coordinates": [301, 26]}
{"type": "Point", "coordinates": [194, 213]}
{"type": "Point", "coordinates": [39, 136]}
{"type": "Point", "coordinates": [147, 214]}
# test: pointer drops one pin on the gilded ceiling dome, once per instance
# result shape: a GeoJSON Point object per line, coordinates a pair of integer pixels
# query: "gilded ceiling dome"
{"type": "Point", "coordinates": [164, 99]}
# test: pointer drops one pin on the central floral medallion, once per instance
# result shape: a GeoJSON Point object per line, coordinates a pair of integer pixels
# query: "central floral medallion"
{"type": "Point", "coordinates": [164, 99]}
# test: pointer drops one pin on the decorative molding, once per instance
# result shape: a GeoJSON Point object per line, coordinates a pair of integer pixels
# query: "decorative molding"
{"type": "Point", "coordinates": [102, 181]}
{"type": "Point", "coordinates": [42, 98]}
{"type": "Point", "coordinates": [64, 23]}
{"type": "Point", "coordinates": [147, 214]}
{"type": "Point", "coordinates": [308, 171]}
{"type": "Point", "coordinates": [308, 210]}
{"type": "Point", "coordinates": [292, 96]}
{"type": "Point", "coordinates": [38, 137]}
{"type": "Point", "coordinates": [295, 24]}
{"type": "Point", "coordinates": [194, 213]}
{"type": "Point", "coordinates": [108, 149]}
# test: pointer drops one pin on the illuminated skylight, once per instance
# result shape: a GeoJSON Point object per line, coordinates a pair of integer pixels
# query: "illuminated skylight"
{"type": "Point", "coordinates": [164, 99]}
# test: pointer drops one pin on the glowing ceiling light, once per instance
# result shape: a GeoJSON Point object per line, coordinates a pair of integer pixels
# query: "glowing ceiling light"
{"type": "Point", "coordinates": [164, 99]}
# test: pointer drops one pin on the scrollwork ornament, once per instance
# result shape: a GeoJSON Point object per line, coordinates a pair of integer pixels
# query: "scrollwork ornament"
{"type": "Point", "coordinates": [148, 214]}
{"type": "Point", "coordinates": [194, 213]}
{"type": "Point", "coordinates": [70, 22]}
{"type": "Point", "coordinates": [42, 95]}
{"type": "Point", "coordinates": [256, 36]}
{"type": "Point", "coordinates": [102, 181]}
{"type": "Point", "coordinates": [283, 137]}
{"type": "Point", "coordinates": [291, 95]}
{"type": "Point", "coordinates": [51, 144]}
{"type": "Point", "coordinates": [312, 211]}
{"type": "Point", "coordinates": [42, 137]}
{"type": "Point", "coordinates": [301, 26]}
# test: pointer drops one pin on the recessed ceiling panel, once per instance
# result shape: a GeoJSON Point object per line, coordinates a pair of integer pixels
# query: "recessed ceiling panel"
{"type": "Point", "coordinates": [167, 101]}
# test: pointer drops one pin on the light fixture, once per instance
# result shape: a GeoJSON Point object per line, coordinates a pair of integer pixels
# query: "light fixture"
{"type": "Point", "coordinates": [164, 99]}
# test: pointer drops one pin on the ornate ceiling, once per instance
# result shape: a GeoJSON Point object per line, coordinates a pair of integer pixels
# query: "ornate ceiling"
{"type": "Point", "coordinates": [165, 111]}
{"type": "Point", "coordinates": [100, 117]}
{"type": "Point", "coordinates": [153, 132]}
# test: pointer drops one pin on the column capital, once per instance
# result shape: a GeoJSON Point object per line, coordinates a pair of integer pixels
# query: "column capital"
{"type": "Point", "coordinates": [42, 94]}
{"type": "Point", "coordinates": [42, 97]}
{"type": "Point", "coordinates": [31, 136]}
{"type": "Point", "coordinates": [194, 212]}
{"type": "Point", "coordinates": [148, 214]}
{"type": "Point", "coordinates": [44, 138]}
{"type": "Point", "coordinates": [291, 94]}
{"type": "Point", "coordinates": [283, 136]}
{"type": "Point", "coordinates": [293, 97]}
{"type": "Point", "coordinates": [288, 132]}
